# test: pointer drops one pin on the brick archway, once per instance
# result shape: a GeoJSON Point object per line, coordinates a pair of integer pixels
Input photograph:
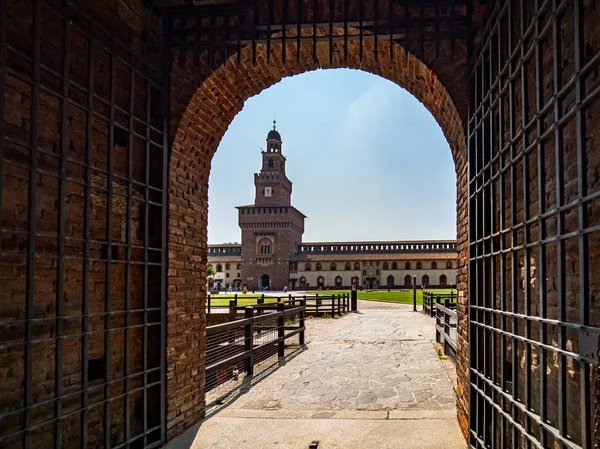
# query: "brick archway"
{"type": "Point", "coordinates": [200, 118]}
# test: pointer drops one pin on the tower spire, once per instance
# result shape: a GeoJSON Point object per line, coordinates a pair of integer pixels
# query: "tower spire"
{"type": "Point", "coordinates": [274, 122]}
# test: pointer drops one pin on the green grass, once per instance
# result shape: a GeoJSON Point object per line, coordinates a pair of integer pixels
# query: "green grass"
{"type": "Point", "coordinates": [403, 296]}
{"type": "Point", "coordinates": [243, 300]}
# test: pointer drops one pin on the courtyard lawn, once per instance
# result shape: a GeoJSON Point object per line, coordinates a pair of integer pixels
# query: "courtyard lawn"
{"type": "Point", "coordinates": [403, 296]}
{"type": "Point", "coordinates": [243, 300]}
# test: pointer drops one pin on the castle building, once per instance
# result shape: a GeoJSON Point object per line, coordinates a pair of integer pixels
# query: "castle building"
{"type": "Point", "coordinates": [272, 255]}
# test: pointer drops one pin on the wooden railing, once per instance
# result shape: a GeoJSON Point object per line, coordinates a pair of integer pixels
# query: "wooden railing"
{"type": "Point", "coordinates": [234, 349]}
{"type": "Point", "coordinates": [430, 300]}
{"type": "Point", "coordinates": [445, 327]}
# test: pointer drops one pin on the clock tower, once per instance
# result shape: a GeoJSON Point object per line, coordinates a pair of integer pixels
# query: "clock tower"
{"type": "Point", "coordinates": [271, 227]}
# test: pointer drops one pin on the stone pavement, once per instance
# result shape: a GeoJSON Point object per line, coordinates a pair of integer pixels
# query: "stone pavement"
{"type": "Point", "coordinates": [371, 379]}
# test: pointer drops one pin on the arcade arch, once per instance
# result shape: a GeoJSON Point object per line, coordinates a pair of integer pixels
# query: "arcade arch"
{"type": "Point", "coordinates": [201, 115]}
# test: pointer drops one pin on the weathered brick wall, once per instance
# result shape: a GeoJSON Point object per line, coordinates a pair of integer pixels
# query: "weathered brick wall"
{"type": "Point", "coordinates": [206, 102]}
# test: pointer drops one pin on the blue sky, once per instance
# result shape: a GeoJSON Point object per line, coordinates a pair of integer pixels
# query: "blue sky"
{"type": "Point", "coordinates": [366, 159]}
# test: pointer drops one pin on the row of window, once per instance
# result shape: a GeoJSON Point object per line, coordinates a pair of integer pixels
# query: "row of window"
{"type": "Point", "coordinates": [225, 250]}
{"type": "Point", "coordinates": [269, 224]}
{"type": "Point", "coordinates": [219, 268]}
{"type": "Point", "coordinates": [386, 266]}
{"type": "Point", "coordinates": [266, 249]}
{"type": "Point", "coordinates": [376, 247]}
{"type": "Point", "coordinates": [238, 275]}
{"type": "Point", "coordinates": [391, 281]}
{"type": "Point", "coordinates": [264, 210]}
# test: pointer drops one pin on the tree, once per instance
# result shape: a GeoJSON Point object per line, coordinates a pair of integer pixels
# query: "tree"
{"type": "Point", "coordinates": [210, 271]}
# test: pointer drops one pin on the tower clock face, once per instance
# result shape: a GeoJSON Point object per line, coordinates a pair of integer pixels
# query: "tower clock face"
{"type": "Point", "coordinates": [268, 191]}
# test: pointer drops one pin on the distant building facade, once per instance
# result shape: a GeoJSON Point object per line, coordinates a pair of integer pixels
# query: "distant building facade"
{"type": "Point", "coordinates": [272, 255]}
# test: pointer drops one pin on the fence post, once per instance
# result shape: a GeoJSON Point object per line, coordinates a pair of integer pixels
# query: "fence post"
{"type": "Point", "coordinates": [317, 302]}
{"type": "Point", "coordinates": [208, 302]}
{"type": "Point", "coordinates": [280, 330]}
{"type": "Point", "coordinates": [235, 299]}
{"type": "Point", "coordinates": [261, 300]}
{"type": "Point", "coordinates": [332, 306]}
{"type": "Point", "coordinates": [249, 340]}
{"type": "Point", "coordinates": [302, 316]}
{"type": "Point", "coordinates": [232, 310]}
{"type": "Point", "coordinates": [414, 293]}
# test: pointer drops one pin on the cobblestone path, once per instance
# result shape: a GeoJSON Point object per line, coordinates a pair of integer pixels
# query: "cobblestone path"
{"type": "Point", "coordinates": [371, 379]}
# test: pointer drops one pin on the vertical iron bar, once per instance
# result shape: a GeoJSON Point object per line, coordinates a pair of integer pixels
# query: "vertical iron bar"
{"type": "Point", "coordinates": [197, 44]}
{"type": "Point", "coordinates": [539, 77]}
{"type": "Point", "coordinates": [314, 24]}
{"type": "Point", "coordinates": [146, 278]}
{"type": "Point", "coordinates": [109, 244]}
{"type": "Point", "coordinates": [254, 23]}
{"type": "Point", "coordinates": [346, 31]}
{"type": "Point", "coordinates": [331, 19]}
{"type": "Point", "coordinates": [437, 31]}
{"type": "Point", "coordinates": [452, 38]}
{"type": "Point", "coordinates": [584, 293]}
{"type": "Point", "coordinates": [225, 38]}
{"type": "Point", "coordinates": [241, 20]}
{"type": "Point", "coordinates": [503, 286]}
{"type": "Point", "coordinates": [513, 237]}
{"type": "Point", "coordinates": [31, 228]}
{"type": "Point", "coordinates": [376, 29]}
{"type": "Point", "coordinates": [86, 242]}
{"type": "Point", "coordinates": [422, 30]}
{"type": "Point", "coordinates": [129, 224]}
{"type": "Point", "coordinates": [561, 272]}
{"type": "Point", "coordinates": [298, 28]}
{"type": "Point", "coordinates": [166, 105]}
{"type": "Point", "coordinates": [407, 33]}
{"type": "Point", "coordinates": [269, 31]}
{"type": "Point", "coordinates": [391, 27]}
{"type": "Point", "coordinates": [526, 215]}
{"type": "Point", "coordinates": [284, 20]}
{"type": "Point", "coordinates": [3, 58]}
{"type": "Point", "coordinates": [471, 89]}
{"type": "Point", "coordinates": [211, 38]}
{"type": "Point", "coordinates": [60, 266]}
{"type": "Point", "coordinates": [361, 15]}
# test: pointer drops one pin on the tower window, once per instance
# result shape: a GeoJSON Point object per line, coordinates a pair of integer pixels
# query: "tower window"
{"type": "Point", "coordinates": [270, 163]}
{"type": "Point", "coordinates": [268, 191]}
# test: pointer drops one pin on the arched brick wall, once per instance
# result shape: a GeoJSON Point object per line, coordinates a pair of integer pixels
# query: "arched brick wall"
{"type": "Point", "coordinates": [199, 120]}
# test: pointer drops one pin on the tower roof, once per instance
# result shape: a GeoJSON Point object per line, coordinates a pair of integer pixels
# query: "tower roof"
{"type": "Point", "coordinates": [274, 134]}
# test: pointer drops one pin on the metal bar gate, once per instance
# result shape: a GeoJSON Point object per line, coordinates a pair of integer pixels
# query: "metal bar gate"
{"type": "Point", "coordinates": [82, 233]}
{"type": "Point", "coordinates": [534, 254]}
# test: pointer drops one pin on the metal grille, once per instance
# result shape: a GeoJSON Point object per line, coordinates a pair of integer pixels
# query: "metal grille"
{"type": "Point", "coordinates": [215, 32]}
{"type": "Point", "coordinates": [534, 226]}
{"type": "Point", "coordinates": [82, 231]}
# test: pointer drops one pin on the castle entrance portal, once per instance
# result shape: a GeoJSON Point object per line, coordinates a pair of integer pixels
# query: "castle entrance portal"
{"type": "Point", "coordinates": [264, 281]}
{"type": "Point", "coordinates": [110, 114]}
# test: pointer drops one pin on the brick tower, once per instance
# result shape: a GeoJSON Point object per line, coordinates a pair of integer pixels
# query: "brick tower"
{"type": "Point", "coordinates": [271, 227]}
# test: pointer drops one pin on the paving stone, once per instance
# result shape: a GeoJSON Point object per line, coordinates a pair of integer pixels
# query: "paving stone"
{"type": "Point", "coordinates": [380, 359]}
